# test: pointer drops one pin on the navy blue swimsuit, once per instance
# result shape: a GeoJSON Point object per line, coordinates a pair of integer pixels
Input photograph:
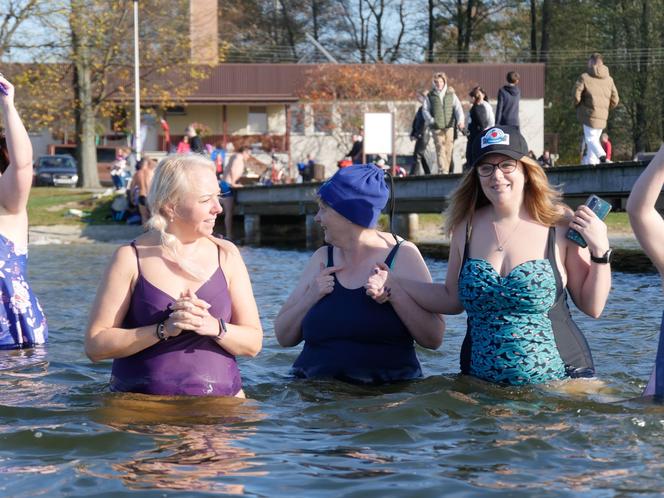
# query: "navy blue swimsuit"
{"type": "Point", "coordinates": [349, 336]}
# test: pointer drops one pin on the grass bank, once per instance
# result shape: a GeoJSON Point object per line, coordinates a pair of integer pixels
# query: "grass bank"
{"type": "Point", "coordinates": [617, 223]}
{"type": "Point", "coordinates": [53, 205]}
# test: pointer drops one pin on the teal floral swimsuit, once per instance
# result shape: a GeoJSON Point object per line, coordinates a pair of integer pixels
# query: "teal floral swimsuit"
{"type": "Point", "coordinates": [509, 328]}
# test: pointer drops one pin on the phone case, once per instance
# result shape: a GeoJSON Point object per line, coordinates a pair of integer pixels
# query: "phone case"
{"type": "Point", "coordinates": [3, 89]}
{"type": "Point", "coordinates": [600, 207]}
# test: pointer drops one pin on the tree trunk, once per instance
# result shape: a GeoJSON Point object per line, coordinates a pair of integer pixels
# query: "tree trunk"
{"type": "Point", "coordinates": [546, 21]}
{"type": "Point", "coordinates": [641, 118]}
{"type": "Point", "coordinates": [86, 150]}
{"type": "Point", "coordinates": [314, 18]}
{"type": "Point", "coordinates": [432, 33]}
{"type": "Point", "coordinates": [533, 30]}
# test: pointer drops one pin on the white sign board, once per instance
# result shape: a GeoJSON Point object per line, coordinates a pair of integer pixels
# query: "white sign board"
{"type": "Point", "coordinates": [378, 131]}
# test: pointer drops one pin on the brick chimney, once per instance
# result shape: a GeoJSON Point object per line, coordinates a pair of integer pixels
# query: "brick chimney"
{"type": "Point", "coordinates": [204, 31]}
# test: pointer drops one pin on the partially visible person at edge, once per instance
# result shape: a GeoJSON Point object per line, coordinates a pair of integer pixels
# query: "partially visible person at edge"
{"type": "Point", "coordinates": [443, 113]}
{"type": "Point", "coordinates": [648, 227]}
{"type": "Point", "coordinates": [230, 181]}
{"type": "Point", "coordinates": [508, 101]}
{"type": "Point", "coordinates": [175, 306]}
{"type": "Point", "coordinates": [509, 265]}
{"type": "Point", "coordinates": [140, 185]}
{"type": "Point", "coordinates": [351, 330]}
{"type": "Point", "coordinates": [595, 94]}
{"type": "Point", "coordinates": [195, 142]}
{"type": "Point", "coordinates": [218, 157]}
{"type": "Point", "coordinates": [356, 150]}
{"type": "Point", "coordinates": [183, 146]}
{"type": "Point", "coordinates": [545, 159]}
{"type": "Point", "coordinates": [606, 146]}
{"type": "Point", "coordinates": [480, 117]}
{"type": "Point", "coordinates": [419, 133]}
{"type": "Point", "coordinates": [22, 321]}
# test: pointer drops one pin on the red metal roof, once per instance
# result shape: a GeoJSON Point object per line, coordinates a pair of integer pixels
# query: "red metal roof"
{"type": "Point", "coordinates": [283, 82]}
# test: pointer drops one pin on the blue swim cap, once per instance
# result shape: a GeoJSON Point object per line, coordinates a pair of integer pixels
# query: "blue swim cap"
{"type": "Point", "coordinates": [358, 193]}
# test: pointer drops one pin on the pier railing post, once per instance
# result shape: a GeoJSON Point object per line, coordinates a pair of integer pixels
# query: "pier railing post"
{"type": "Point", "coordinates": [406, 225]}
{"type": "Point", "coordinates": [252, 229]}
{"type": "Point", "coordinates": [314, 233]}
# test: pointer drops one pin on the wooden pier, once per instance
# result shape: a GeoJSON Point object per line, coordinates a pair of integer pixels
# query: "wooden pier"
{"type": "Point", "coordinates": [260, 205]}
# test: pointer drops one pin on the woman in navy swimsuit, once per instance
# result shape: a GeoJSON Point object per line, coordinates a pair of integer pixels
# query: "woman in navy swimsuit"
{"type": "Point", "coordinates": [175, 306]}
{"type": "Point", "coordinates": [648, 227]}
{"type": "Point", "coordinates": [352, 330]}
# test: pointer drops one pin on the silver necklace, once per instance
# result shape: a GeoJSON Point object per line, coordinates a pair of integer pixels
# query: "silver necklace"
{"type": "Point", "coordinates": [503, 244]}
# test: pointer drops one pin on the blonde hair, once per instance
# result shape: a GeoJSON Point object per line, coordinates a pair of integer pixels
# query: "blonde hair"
{"type": "Point", "coordinates": [542, 200]}
{"type": "Point", "coordinates": [170, 185]}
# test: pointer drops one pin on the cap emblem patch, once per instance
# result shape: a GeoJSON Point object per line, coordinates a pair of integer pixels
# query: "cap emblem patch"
{"type": "Point", "coordinates": [495, 136]}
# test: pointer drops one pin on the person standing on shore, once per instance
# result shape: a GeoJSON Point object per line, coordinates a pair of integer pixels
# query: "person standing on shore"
{"type": "Point", "coordinates": [595, 94]}
{"type": "Point", "coordinates": [231, 181]}
{"type": "Point", "coordinates": [22, 321]}
{"type": "Point", "coordinates": [509, 98]}
{"type": "Point", "coordinates": [648, 227]}
{"type": "Point", "coordinates": [443, 113]}
{"type": "Point", "coordinates": [419, 133]}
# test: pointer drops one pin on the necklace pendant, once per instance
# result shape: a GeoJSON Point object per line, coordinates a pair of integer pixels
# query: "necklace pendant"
{"type": "Point", "coordinates": [500, 248]}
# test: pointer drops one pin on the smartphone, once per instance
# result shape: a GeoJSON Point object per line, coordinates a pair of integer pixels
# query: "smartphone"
{"type": "Point", "coordinates": [3, 89]}
{"type": "Point", "coordinates": [598, 206]}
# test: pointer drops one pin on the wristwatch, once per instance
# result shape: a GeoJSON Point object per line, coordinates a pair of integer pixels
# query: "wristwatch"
{"type": "Point", "coordinates": [603, 260]}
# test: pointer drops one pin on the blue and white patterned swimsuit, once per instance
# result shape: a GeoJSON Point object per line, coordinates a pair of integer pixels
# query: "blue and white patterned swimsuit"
{"type": "Point", "coordinates": [22, 322]}
{"type": "Point", "coordinates": [512, 340]}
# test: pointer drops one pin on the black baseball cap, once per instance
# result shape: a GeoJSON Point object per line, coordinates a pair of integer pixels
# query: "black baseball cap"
{"type": "Point", "coordinates": [506, 140]}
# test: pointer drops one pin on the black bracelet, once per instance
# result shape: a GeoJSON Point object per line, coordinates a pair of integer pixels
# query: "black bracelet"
{"type": "Point", "coordinates": [161, 335]}
{"type": "Point", "coordinates": [222, 329]}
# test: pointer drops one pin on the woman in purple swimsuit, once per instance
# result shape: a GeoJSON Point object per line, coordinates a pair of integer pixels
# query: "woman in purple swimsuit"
{"type": "Point", "coordinates": [22, 322]}
{"type": "Point", "coordinates": [648, 227]}
{"type": "Point", "coordinates": [176, 306]}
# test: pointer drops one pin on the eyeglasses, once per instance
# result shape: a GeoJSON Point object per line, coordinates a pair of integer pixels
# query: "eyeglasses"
{"type": "Point", "coordinates": [487, 169]}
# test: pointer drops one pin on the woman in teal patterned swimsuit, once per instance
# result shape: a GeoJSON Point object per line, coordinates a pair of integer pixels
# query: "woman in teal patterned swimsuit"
{"type": "Point", "coordinates": [510, 264]}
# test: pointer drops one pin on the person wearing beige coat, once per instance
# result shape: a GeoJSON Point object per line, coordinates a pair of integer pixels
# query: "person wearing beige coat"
{"type": "Point", "coordinates": [595, 94]}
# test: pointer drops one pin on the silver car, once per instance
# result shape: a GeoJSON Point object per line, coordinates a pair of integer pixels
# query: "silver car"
{"type": "Point", "coordinates": [56, 170]}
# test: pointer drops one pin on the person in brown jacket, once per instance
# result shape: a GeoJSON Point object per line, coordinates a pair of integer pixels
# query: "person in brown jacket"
{"type": "Point", "coordinates": [594, 95]}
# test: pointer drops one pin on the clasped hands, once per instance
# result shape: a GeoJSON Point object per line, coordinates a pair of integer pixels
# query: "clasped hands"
{"type": "Point", "coordinates": [190, 313]}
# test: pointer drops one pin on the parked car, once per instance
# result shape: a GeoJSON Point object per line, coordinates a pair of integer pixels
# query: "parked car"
{"type": "Point", "coordinates": [57, 170]}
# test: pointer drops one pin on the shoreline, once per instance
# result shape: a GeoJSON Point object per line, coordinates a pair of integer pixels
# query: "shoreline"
{"type": "Point", "coordinates": [627, 256]}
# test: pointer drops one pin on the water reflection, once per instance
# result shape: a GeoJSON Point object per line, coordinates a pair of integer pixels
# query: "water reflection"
{"type": "Point", "coordinates": [198, 441]}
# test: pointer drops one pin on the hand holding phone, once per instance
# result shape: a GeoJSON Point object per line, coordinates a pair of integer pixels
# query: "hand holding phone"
{"type": "Point", "coordinates": [598, 206]}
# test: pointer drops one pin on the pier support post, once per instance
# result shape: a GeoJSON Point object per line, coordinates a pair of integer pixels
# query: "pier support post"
{"type": "Point", "coordinates": [314, 233]}
{"type": "Point", "coordinates": [252, 229]}
{"type": "Point", "coordinates": [406, 225]}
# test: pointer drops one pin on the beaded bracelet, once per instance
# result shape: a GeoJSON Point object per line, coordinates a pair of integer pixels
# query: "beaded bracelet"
{"type": "Point", "coordinates": [161, 335]}
{"type": "Point", "coordinates": [222, 329]}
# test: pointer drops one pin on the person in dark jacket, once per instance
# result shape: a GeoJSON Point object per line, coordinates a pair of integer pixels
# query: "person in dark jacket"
{"type": "Point", "coordinates": [356, 150]}
{"type": "Point", "coordinates": [481, 116]}
{"type": "Point", "coordinates": [420, 134]}
{"type": "Point", "coordinates": [509, 96]}
{"type": "Point", "coordinates": [195, 142]}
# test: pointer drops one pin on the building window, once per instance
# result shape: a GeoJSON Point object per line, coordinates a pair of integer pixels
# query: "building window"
{"type": "Point", "coordinates": [176, 110]}
{"type": "Point", "coordinates": [323, 118]}
{"type": "Point", "coordinates": [351, 117]}
{"type": "Point", "coordinates": [257, 120]}
{"type": "Point", "coordinates": [297, 119]}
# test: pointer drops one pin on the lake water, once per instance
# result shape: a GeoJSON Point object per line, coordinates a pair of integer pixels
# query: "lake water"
{"type": "Point", "coordinates": [63, 434]}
